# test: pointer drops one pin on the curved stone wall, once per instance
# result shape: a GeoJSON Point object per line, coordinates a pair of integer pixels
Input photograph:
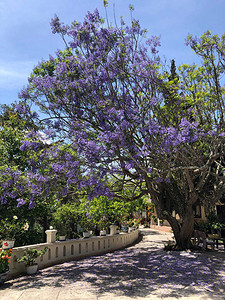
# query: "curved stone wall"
{"type": "Point", "coordinates": [62, 251]}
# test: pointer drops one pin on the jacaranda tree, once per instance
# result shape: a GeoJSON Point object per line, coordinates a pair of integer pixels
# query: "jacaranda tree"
{"type": "Point", "coordinates": [129, 123]}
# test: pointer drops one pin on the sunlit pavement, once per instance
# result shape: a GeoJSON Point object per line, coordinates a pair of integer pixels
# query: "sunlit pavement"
{"type": "Point", "coordinates": [143, 271]}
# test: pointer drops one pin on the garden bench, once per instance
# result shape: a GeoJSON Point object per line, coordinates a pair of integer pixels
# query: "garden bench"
{"type": "Point", "coordinates": [216, 241]}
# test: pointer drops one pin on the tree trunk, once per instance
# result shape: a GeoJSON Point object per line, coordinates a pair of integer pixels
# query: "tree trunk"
{"type": "Point", "coordinates": [187, 229]}
{"type": "Point", "coordinates": [183, 232]}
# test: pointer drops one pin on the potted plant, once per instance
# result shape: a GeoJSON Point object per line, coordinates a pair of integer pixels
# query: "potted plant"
{"type": "Point", "coordinates": [103, 224]}
{"type": "Point", "coordinates": [124, 223]}
{"type": "Point", "coordinates": [102, 232]}
{"type": "Point", "coordinates": [29, 258]}
{"type": "Point", "coordinates": [9, 229]}
{"type": "Point", "coordinates": [131, 225]}
{"type": "Point", "coordinates": [62, 234]}
{"type": "Point", "coordinates": [5, 256]}
{"type": "Point", "coordinates": [87, 227]}
{"type": "Point", "coordinates": [61, 229]}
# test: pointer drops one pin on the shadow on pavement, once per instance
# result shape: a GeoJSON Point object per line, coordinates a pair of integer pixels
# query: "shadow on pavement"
{"type": "Point", "coordinates": [142, 270]}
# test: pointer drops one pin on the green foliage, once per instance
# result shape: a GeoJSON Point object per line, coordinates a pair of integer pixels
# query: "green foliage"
{"type": "Point", "coordinates": [105, 3]}
{"type": "Point", "coordinates": [30, 256]}
{"type": "Point", "coordinates": [170, 246]}
{"type": "Point", "coordinates": [21, 230]}
{"type": "Point", "coordinates": [14, 128]}
{"type": "Point", "coordinates": [5, 256]}
{"type": "Point", "coordinates": [34, 235]}
{"type": "Point", "coordinates": [95, 215]}
{"type": "Point", "coordinates": [102, 211]}
{"type": "Point", "coordinates": [202, 226]}
{"type": "Point", "coordinates": [212, 224]}
{"type": "Point", "coordinates": [9, 228]}
{"type": "Point", "coordinates": [66, 218]}
{"type": "Point", "coordinates": [10, 117]}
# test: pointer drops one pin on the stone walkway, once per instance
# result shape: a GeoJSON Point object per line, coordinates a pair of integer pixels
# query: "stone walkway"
{"type": "Point", "coordinates": [143, 271]}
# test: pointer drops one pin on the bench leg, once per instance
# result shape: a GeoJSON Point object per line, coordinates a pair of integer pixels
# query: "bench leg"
{"type": "Point", "coordinates": [204, 244]}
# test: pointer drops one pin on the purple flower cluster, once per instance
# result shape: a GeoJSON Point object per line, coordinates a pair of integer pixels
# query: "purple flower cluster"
{"type": "Point", "coordinates": [111, 112]}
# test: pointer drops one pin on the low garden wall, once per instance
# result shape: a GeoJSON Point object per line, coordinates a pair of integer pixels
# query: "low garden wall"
{"type": "Point", "coordinates": [61, 251]}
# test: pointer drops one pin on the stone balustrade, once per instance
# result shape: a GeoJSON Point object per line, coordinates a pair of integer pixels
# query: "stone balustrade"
{"type": "Point", "coordinates": [61, 251]}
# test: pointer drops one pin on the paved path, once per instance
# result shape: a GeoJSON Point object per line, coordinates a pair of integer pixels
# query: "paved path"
{"type": "Point", "coordinates": [143, 271]}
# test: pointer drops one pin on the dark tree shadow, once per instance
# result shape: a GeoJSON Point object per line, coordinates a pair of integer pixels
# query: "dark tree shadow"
{"type": "Point", "coordinates": [140, 270]}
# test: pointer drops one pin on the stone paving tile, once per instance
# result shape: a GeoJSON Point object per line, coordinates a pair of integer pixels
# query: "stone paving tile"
{"type": "Point", "coordinates": [38, 294]}
{"type": "Point", "coordinates": [10, 294]}
{"type": "Point", "coordinates": [143, 271]}
{"type": "Point", "coordinates": [75, 294]}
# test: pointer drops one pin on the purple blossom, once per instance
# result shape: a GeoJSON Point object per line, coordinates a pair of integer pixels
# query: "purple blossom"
{"type": "Point", "coordinates": [57, 26]}
{"type": "Point", "coordinates": [56, 167]}
{"type": "Point", "coordinates": [31, 205]}
{"type": "Point", "coordinates": [108, 113]}
{"type": "Point", "coordinates": [3, 200]}
{"type": "Point", "coordinates": [88, 215]}
{"type": "Point", "coordinates": [21, 202]}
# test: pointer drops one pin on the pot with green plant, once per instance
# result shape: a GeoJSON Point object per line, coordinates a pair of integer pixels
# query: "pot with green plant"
{"type": "Point", "coordinates": [62, 234]}
{"type": "Point", "coordinates": [124, 223]}
{"type": "Point", "coordinates": [29, 258]}
{"type": "Point", "coordinates": [87, 226]}
{"type": "Point", "coordinates": [61, 221]}
{"type": "Point", "coordinates": [103, 224]}
{"type": "Point", "coordinates": [5, 255]}
{"type": "Point", "coordinates": [61, 229]}
{"type": "Point", "coordinates": [9, 228]}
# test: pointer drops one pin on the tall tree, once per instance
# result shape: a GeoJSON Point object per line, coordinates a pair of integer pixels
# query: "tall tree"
{"type": "Point", "coordinates": [105, 95]}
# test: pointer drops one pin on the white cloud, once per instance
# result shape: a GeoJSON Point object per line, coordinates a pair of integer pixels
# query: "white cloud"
{"type": "Point", "coordinates": [14, 74]}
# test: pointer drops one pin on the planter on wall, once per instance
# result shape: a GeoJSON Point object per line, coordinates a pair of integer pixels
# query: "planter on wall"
{"type": "Point", "coordinates": [7, 244]}
{"type": "Point", "coordinates": [102, 232]}
{"type": "Point", "coordinates": [62, 238]}
{"type": "Point", "coordinates": [86, 234]}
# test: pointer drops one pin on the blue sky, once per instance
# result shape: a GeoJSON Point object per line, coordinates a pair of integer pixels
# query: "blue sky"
{"type": "Point", "coordinates": [26, 38]}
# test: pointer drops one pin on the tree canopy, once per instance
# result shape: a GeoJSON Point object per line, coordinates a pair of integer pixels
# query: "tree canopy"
{"type": "Point", "coordinates": [106, 96]}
